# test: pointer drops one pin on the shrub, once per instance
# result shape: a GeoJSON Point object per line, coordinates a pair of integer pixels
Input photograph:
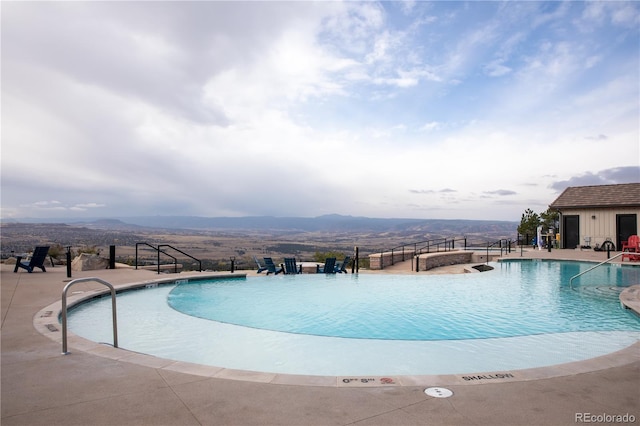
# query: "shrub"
{"type": "Point", "coordinates": [88, 250]}
{"type": "Point", "coordinates": [322, 256]}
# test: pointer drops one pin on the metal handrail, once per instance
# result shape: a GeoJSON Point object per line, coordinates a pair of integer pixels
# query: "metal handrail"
{"type": "Point", "coordinates": [157, 249]}
{"type": "Point", "coordinates": [180, 251]}
{"type": "Point", "coordinates": [426, 244]}
{"type": "Point", "coordinates": [591, 269]}
{"type": "Point", "coordinates": [64, 310]}
{"type": "Point", "coordinates": [449, 243]}
{"type": "Point", "coordinates": [505, 247]}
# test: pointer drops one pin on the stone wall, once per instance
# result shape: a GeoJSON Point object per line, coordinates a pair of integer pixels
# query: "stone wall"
{"type": "Point", "coordinates": [428, 260]}
{"type": "Point", "coordinates": [380, 261]}
{"type": "Point", "coordinates": [434, 260]}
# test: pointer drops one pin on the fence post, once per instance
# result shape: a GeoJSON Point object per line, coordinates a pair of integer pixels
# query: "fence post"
{"type": "Point", "coordinates": [355, 265]}
{"type": "Point", "coordinates": [112, 257]}
{"type": "Point", "coordinates": [68, 261]}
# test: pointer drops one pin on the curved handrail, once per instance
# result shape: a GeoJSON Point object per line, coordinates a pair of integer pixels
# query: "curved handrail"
{"type": "Point", "coordinates": [591, 269]}
{"type": "Point", "coordinates": [64, 310]}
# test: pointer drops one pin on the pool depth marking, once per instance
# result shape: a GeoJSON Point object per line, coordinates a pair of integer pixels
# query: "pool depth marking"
{"type": "Point", "coordinates": [351, 381]}
{"type": "Point", "coordinates": [492, 376]}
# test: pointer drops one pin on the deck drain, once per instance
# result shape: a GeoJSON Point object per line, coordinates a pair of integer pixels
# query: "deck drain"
{"type": "Point", "coordinates": [438, 392]}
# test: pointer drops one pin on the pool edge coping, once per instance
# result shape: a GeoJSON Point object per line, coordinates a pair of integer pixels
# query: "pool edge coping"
{"type": "Point", "coordinates": [45, 321]}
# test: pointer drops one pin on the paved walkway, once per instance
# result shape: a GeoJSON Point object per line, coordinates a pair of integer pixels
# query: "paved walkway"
{"type": "Point", "coordinates": [41, 386]}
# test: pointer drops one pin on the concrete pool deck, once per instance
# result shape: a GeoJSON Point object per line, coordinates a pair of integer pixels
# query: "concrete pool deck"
{"type": "Point", "coordinates": [41, 386]}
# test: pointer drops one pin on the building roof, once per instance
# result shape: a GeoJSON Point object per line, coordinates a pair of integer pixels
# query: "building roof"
{"type": "Point", "coordinates": [576, 197]}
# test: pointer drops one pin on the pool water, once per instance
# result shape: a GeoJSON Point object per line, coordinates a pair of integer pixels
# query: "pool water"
{"type": "Point", "coordinates": [518, 299]}
{"type": "Point", "coordinates": [520, 315]}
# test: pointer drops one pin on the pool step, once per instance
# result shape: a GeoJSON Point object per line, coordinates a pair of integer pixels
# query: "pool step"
{"type": "Point", "coordinates": [603, 291]}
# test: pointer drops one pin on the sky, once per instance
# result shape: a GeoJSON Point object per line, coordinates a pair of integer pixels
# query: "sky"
{"type": "Point", "coordinates": [412, 109]}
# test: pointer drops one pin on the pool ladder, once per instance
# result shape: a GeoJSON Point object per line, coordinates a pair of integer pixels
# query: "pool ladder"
{"type": "Point", "coordinates": [591, 269]}
{"type": "Point", "coordinates": [64, 310]}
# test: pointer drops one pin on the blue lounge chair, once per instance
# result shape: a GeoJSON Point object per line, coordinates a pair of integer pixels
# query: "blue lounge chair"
{"type": "Point", "coordinates": [291, 267]}
{"type": "Point", "coordinates": [271, 267]}
{"type": "Point", "coordinates": [260, 267]}
{"type": "Point", "coordinates": [341, 267]}
{"type": "Point", "coordinates": [36, 261]}
{"type": "Point", "coordinates": [329, 266]}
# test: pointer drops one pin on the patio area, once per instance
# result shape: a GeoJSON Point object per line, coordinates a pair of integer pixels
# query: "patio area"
{"type": "Point", "coordinates": [41, 386]}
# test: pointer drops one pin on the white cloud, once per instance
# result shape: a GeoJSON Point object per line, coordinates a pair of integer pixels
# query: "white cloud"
{"type": "Point", "coordinates": [625, 14]}
{"type": "Point", "coordinates": [296, 108]}
{"type": "Point", "coordinates": [496, 69]}
{"type": "Point", "coordinates": [557, 11]}
{"type": "Point", "coordinates": [89, 205]}
{"type": "Point", "coordinates": [428, 127]}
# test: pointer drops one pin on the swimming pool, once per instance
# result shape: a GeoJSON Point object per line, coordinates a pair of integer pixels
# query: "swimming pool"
{"type": "Point", "coordinates": [520, 315]}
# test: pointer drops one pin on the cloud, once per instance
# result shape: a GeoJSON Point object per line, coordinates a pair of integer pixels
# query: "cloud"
{"type": "Point", "coordinates": [433, 191]}
{"type": "Point", "coordinates": [500, 192]}
{"type": "Point", "coordinates": [433, 125]}
{"type": "Point", "coordinates": [551, 12]}
{"type": "Point", "coordinates": [597, 14]}
{"type": "Point", "coordinates": [612, 176]}
{"type": "Point", "coordinates": [227, 108]}
{"type": "Point", "coordinates": [407, 5]}
{"type": "Point", "coordinates": [597, 138]}
{"type": "Point", "coordinates": [44, 205]}
{"type": "Point", "coordinates": [496, 69]}
{"type": "Point", "coordinates": [89, 205]}
{"type": "Point", "coordinates": [54, 205]}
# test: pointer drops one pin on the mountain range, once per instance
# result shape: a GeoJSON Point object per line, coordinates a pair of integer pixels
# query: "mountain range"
{"type": "Point", "coordinates": [326, 223]}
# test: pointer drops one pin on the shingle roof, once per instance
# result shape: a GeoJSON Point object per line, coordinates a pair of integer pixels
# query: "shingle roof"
{"type": "Point", "coordinates": [622, 195]}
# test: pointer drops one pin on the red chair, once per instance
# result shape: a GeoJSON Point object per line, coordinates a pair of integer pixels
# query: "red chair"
{"type": "Point", "coordinates": [631, 249]}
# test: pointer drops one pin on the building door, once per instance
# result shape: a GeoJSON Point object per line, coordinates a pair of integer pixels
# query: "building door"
{"type": "Point", "coordinates": [626, 225]}
{"type": "Point", "coordinates": [571, 231]}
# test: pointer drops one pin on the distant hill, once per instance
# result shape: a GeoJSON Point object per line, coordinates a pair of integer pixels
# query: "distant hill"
{"type": "Point", "coordinates": [112, 225]}
{"type": "Point", "coordinates": [326, 223]}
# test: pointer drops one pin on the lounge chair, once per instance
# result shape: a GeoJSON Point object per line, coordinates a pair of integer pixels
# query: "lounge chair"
{"type": "Point", "coordinates": [271, 267]}
{"type": "Point", "coordinates": [37, 260]}
{"type": "Point", "coordinates": [329, 266]}
{"type": "Point", "coordinates": [341, 267]}
{"type": "Point", "coordinates": [291, 267]}
{"type": "Point", "coordinates": [260, 267]}
{"type": "Point", "coordinates": [631, 249]}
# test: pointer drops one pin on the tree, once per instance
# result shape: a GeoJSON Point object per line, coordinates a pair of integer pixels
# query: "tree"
{"type": "Point", "coordinates": [529, 224]}
{"type": "Point", "coordinates": [550, 219]}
